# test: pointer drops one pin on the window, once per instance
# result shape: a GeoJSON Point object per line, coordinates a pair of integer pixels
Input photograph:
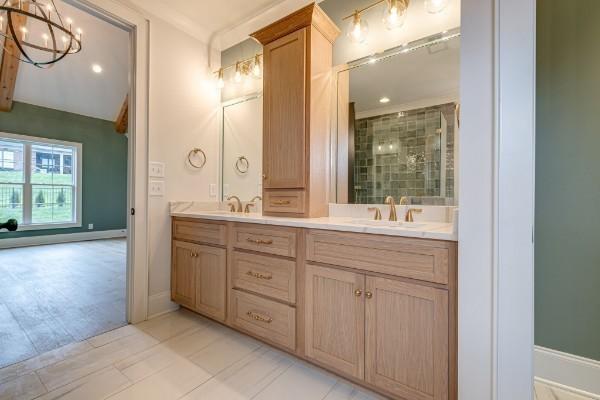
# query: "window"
{"type": "Point", "coordinates": [40, 182]}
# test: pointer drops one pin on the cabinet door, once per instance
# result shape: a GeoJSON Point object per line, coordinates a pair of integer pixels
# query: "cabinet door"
{"type": "Point", "coordinates": [407, 339]}
{"type": "Point", "coordinates": [183, 274]}
{"type": "Point", "coordinates": [211, 289]}
{"type": "Point", "coordinates": [284, 149]}
{"type": "Point", "coordinates": [334, 319]}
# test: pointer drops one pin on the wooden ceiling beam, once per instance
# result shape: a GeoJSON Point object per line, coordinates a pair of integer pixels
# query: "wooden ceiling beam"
{"type": "Point", "coordinates": [122, 121]}
{"type": "Point", "coordinates": [10, 64]}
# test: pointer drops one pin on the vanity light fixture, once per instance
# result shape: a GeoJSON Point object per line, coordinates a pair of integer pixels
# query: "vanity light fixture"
{"type": "Point", "coordinates": [220, 80]}
{"type": "Point", "coordinates": [256, 68]}
{"type": "Point", "coordinates": [237, 77]}
{"type": "Point", "coordinates": [435, 6]}
{"type": "Point", "coordinates": [394, 13]}
{"type": "Point", "coordinates": [384, 100]}
{"type": "Point", "coordinates": [358, 28]}
{"type": "Point", "coordinates": [245, 68]}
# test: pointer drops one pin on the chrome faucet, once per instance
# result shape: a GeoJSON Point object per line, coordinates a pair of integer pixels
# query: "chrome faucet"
{"type": "Point", "coordinates": [238, 208]}
{"type": "Point", "coordinates": [390, 201]}
{"type": "Point", "coordinates": [251, 204]}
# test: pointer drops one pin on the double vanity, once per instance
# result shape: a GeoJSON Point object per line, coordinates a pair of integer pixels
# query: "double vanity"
{"type": "Point", "coordinates": [373, 301]}
{"type": "Point", "coordinates": [367, 292]}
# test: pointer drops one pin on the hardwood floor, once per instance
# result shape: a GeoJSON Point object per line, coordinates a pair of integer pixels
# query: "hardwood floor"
{"type": "Point", "coordinates": [56, 295]}
{"type": "Point", "coordinates": [177, 356]}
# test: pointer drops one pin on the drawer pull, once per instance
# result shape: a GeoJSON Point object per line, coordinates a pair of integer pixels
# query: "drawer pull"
{"type": "Point", "coordinates": [258, 275]}
{"type": "Point", "coordinates": [281, 202]}
{"type": "Point", "coordinates": [259, 241]}
{"type": "Point", "coordinates": [258, 317]}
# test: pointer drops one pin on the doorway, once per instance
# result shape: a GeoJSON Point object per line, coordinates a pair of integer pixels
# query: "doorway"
{"type": "Point", "coordinates": [67, 177]}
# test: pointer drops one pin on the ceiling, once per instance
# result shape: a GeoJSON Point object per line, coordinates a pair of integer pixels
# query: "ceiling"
{"type": "Point", "coordinates": [411, 80]}
{"type": "Point", "coordinates": [71, 85]}
{"type": "Point", "coordinates": [204, 19]}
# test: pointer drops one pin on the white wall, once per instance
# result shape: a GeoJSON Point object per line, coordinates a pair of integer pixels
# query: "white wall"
{"type": "Point", "coordinates": [476, 218]}
{"type": "Point", "coordinates": [183, 114]}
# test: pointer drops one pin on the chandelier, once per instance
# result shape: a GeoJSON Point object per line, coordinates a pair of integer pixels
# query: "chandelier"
{"type": "Point", "coordinates": [56, 37]}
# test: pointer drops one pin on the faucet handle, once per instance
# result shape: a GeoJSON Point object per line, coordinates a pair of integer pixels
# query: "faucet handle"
{"type": "Point", "coordinates": [409, 214]}
{"type": "Point", "coordinates": [231, 207]}
{"type": "Point", "coordinates": [377, 213]}
{"type": "Point", "coordinates": [247, 208]}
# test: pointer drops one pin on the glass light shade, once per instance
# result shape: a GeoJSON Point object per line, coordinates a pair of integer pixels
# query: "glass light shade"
{"type": "Point", "coordinates": [237, 77]}
{"type": "Point", "coordinates": [394, 14]}
{"type": "Point", "coordinates": [436, 6]}
{"type": "Point", "coordinates": [358, 29]}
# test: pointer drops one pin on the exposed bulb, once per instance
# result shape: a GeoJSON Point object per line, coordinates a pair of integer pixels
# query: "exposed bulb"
{"type": "Point", "coordinates": [24, 33]}
{"type": "Point", "coordinates": [45, 37]}
{"type": "Point", "coordinates": [220, 80]}
{"type": "Point", "coordinates": [256, 68]}
{"type": "Point", "coordinates": [394, 14]}
{"type": "Point", "coordinates": [358, 29]}
{"type": "Point", "coordinates": [1, 23]}
{"type": "Point", "coordinates": [237, 78]}
{"type": "Point", "coordinates": [435, 6]}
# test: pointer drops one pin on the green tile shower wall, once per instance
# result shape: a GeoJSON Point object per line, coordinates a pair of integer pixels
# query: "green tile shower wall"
{"type": "Point", "coordinates": [412, 167]}
{"type": "Point", "coordinates": [104, 162]}
{"type": "Point", "coordinates": [567, 239]}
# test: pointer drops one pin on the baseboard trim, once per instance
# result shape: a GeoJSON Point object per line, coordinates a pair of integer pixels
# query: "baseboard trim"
{"type": "Point", "coordinates": [61, 238]}
{"type": "Point", "coordinates": [160, 303]}
{"type": "Point", "coordinates": [568, 372]}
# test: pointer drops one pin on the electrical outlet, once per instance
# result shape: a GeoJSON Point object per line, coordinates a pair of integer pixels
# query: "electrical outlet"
{"type": "Point", "coordinates": [90, 226]}
{"type": "Point", "coordinates": [157, 169]}
{"type": "Point", "coordinates": [157, 188]}
{"type": "Point", "coordinates": [212, 190]}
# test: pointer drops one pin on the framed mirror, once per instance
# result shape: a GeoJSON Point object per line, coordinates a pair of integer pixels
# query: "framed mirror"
{"type": "Point", "coordinates": [241, 147]}
{"type": "Point", "coordinates": [397, 124]}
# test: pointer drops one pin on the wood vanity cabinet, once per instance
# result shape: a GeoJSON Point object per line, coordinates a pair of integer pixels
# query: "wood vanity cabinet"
{"type": "Point", "coordinates": [297, 57]}
{"type": "Point", "coordinates": [377, 310]}
{"type": "Point", "coordinates": [198, 273]}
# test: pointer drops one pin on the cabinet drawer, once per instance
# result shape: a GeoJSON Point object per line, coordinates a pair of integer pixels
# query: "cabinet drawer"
{"type": "Point", "coordinates": [411, 258]}
{"type": "Point", "coordinates": [265, 275]}
{"type": "Point", "coordinates": [264, 318]}
{"type": "Point", "coordinates": [284, 201]}
{"type": "Point", "coordinates": [266, 239]}
{"type": "Point", "coordinates": [200, 231]}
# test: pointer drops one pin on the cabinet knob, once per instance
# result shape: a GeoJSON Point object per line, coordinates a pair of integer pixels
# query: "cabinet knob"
{"type": "Point", "coordinates": [265, 177]}
{"type": "Point", "coordinates": [368, 295]}
{"type": "Point", "coordinates": [358, 292]}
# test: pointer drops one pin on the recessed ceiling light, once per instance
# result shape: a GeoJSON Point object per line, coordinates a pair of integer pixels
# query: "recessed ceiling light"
{"type": "Point", "coordinates": [97, 68]}
{"type": "Point", "coordinates": [384, 100]}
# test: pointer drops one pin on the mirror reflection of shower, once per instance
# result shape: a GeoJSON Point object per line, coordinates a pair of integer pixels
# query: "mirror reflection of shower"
{"type": "Point", "coordinates": [397, 125]}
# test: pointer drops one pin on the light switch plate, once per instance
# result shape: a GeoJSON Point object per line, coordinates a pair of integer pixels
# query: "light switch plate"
{"type": "Point", "coordinates": [157, 169]}
{"type": "Point", "coordinates": [157, 188]}
{"type": "Point", "coordinates": [212, 190]}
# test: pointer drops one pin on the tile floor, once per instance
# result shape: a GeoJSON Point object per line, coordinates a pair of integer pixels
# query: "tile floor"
{"type": "Point", "coordinates": [55, 295]}
{"type": "Point", "coordinates": [545, 392]}
{"type": "Point", "coordinates": [180, 356]}
{"type": "Point", "coordinates": [176, 356]}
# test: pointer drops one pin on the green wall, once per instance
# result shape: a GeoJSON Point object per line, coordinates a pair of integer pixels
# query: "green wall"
{"type": "Point", "coordinates": [104, 162]}
{"type": "Point", "coordinates": [567, 235]}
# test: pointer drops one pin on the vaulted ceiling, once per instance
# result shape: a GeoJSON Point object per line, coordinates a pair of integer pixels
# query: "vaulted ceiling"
{"type": "Point", "coordinates": [71, 85]}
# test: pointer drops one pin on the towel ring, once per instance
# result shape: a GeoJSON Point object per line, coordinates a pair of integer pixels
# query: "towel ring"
{"type": "Point", "coordinates": [194, 152]}
{"type": "Point", "coordinates": [242, 165]}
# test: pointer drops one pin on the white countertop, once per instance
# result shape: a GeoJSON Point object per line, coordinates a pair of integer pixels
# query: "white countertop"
{"type": "Point", "coordinates": [425, 230]}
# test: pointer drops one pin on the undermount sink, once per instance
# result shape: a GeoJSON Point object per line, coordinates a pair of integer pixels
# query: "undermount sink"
{"type": "Point", "coordinates": [390, 224]}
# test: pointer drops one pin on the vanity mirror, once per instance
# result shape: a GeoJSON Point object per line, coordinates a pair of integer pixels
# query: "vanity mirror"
{"type": "Point", "coordinates": [396, 128]}
{"type": "Point", "coordinates": [241, 148]}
